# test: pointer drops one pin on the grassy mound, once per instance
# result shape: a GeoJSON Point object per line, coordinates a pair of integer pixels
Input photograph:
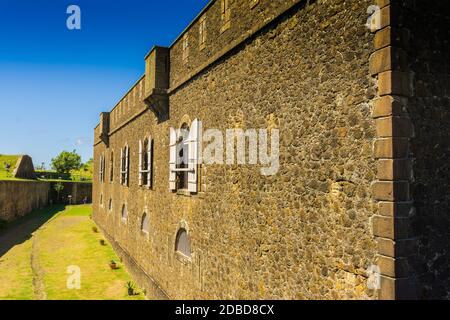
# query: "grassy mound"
{"type": "Point", "coordinates": [4, 161]}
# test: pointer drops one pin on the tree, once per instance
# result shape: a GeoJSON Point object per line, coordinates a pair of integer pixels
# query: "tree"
{"type": "Point", "coordinates": [85, 172]}
{"type": "Point", "coordinates": [66, 161]}
{"type": "Point", "coordinates": [58, 188]}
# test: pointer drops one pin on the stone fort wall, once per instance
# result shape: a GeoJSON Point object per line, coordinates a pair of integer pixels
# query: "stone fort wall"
{"type": "Point", "coordinates": [20, 198]}
{"type": "Point", "coordinates": [304, 233]}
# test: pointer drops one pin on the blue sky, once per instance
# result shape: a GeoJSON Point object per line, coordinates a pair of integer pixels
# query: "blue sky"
{"type": "Point", "coordinates": [54, 82]}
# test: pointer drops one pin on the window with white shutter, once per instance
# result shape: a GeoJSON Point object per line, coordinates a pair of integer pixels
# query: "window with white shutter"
{"type": "Point", "coordinates": [102, 168]}
{"type": "Point", "coordinates": [185, 157]}
{"type": "Point", "coordinates": [193, 160]}
{"type": "Point", "coordinates": [173, 159]}
{"type": "Point", "coordinates": [124, 165]}
{"type": "Point", "coordinates": [145, 162]}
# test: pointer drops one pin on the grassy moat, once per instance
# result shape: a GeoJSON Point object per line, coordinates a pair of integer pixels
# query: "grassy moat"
{"type": "Point", "coordinates": [41, 254]}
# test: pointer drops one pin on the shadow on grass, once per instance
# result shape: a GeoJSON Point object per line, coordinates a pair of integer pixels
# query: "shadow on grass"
{"type": "Point", "coordinates": [21, 230]}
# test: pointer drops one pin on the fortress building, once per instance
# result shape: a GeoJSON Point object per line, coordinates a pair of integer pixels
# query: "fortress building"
{"type": "Point", "coordinates": [354, 97]}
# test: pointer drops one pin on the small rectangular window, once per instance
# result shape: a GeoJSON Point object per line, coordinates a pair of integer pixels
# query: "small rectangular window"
{"type": "Point", "coordinates": [185, 48]}
{"type": "Point", "coordinates": [226, 15]}
{"type": "Point", "coordinates": [202, 32]}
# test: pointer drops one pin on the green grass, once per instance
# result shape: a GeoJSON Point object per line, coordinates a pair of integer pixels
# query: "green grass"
{"type": "Point", "coordinates": [12, 161]}
{"type": "Point", "coordinates": [16, 277]}
{"type": "Point", "coordinates": [67, 239]}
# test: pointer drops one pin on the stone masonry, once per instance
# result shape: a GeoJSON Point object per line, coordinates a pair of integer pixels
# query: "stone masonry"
{"type": "Point", "coordinates": [363, 180]}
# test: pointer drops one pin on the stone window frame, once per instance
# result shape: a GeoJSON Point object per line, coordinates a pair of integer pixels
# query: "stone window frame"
{"type": "Point", "coordinates": [202, 32]}
{"type": "Point", "coordinates": [146, 172]}
{"type": "Point", "coordinates": [225, 15]}
{"type": "Point", "coordinates": [185, 43]}
{"type": "Point", "coordinates": [125, 166]}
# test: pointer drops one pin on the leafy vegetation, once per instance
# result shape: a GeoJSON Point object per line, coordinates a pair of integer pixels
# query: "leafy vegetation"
{"type": "Point", "coordinates": [66, 162]}
{"type": "Point", "coordinates": [85, 173]}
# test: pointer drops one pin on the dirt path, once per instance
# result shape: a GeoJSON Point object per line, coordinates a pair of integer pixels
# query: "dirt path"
{"type": "Point", "coordinates": [38, 272]}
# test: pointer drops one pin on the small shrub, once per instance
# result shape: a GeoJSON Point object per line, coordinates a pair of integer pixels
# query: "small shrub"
{"type": "Point", "coordinates": [130, 288]}
{"type": "Point", "coordinates": [102, 242]}
{"type": "Point", "coordinates": [113, 265]}
{"type": "Point", "coordinates": [95, 229]}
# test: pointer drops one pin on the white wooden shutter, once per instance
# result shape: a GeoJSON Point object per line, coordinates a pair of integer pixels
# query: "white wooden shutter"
{"type": "Point", "coordinates": [127, 166]}
{"type": "Point", "coordinates": [172, 159]}
{"type": "Point", "coordinates": [121, 165]}
{"type": "Point", "coordinates": [100, 171]}
{"type": "Point", "coordinates": [150, 161]}
{"type": "Point", "coordinates": [140, 162]}
{"type": "Point", "coordinates": [193, 156]}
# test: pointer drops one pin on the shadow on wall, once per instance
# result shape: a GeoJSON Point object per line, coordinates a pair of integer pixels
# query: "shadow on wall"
{"type": "Point", "coordinates": [429, 111]}
{"type": "Point", "coordinates": [22, 229]}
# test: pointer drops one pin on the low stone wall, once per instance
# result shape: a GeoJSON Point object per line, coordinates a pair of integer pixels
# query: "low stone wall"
{"type": "Point", "coordinates": [18, 198]}
{"type": "Point", "coordinates": [78, 190]}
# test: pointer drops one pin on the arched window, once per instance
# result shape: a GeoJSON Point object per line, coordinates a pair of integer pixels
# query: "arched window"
{"type": "Point", "coordinates": [145, 223]}
{"type": "Point", "coordinates": [183, 244]}
{"type": "Point", "coordinates": [101, 199]}
{"type": "Point", "coordinates": [110, 205]}
{"type": "Point", "coordinates": [124, 213]}
{"type": "Point", "coordinates": [183, 157]}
